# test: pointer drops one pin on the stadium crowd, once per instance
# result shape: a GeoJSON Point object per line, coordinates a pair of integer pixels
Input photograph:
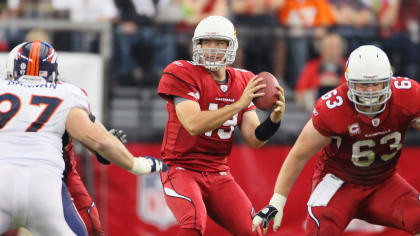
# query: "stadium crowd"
{"type": "Point", "coordinates": [148, 34]}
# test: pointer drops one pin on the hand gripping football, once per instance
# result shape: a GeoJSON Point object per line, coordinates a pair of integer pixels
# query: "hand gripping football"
{"type": "Point", "coordinates": [267, 101]}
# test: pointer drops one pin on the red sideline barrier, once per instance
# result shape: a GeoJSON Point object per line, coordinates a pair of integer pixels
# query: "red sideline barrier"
{"type": "Point", "coordinates": [134, 206]}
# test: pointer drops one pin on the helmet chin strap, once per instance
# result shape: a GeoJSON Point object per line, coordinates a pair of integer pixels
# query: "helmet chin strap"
{"type": "Point", "coordinates": [213, 68]}
{"type": "Point", "coordinates": [216, 67]}
{"type": "Point", "coordinates": [370, 109]}
{"type": "Point", "coordinates": [368, 101]}
{"type": "Point", "coordinates": [365, 105]}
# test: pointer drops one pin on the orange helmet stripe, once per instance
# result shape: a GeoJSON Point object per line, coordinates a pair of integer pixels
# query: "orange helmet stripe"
{"type": "Point", "coordinates": [38, 52]}
{"type": "Point", "coordinates": [28, 69]}
{"type": "Point", "coordinates": [33, 64]}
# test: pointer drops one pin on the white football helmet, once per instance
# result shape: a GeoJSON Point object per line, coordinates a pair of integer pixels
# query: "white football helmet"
{"type": "Point", "coordinates": [214, 27]}
{"type": "Point", "coordinates": [369, 65]}
{"type": "Point", "coordinates": [11, 61]}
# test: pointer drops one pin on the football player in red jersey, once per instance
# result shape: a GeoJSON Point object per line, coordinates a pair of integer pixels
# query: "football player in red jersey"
{"type": "Point", "coordinates": [360, 127]}
{"type": "Point", "coordinates": [206, 99]}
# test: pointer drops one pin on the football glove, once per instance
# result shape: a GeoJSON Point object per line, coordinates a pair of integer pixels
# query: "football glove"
{"type": "Point", "coordinates": [119, 134]}
{"type": "Point", "coordinates": [148, 164]}
{"type": "Point", "coordinates": [273, 210]}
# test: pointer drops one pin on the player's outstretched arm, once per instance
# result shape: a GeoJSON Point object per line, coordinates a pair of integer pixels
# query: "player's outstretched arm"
{"type": "Point", "coordinates": [119, 134]}
{"type": "Point", "coordinates": [94, 136]}
{"type": "Point", "coordinates": [309, 142]}
{"type": "Point", "coordinates": [197, 122]}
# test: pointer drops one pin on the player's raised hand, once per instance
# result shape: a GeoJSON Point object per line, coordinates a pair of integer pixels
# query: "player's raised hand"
{"type": "Point", "coordinates": [273, 210]}
{"type": "Point", "coordinates": [119, 134]}
{"type": "Point", "coordinates": [251, 91]}
{"type": "Point", "coordinates": [280, 106]}
{"type": "Point", "coordinates": [147, 165]}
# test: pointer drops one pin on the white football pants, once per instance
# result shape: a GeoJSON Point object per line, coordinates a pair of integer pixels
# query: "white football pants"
{"type": "Point", "coordinates": [37, 199]}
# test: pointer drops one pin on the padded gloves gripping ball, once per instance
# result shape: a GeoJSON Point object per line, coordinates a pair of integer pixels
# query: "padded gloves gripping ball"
{"type": "Point", "coordinates": [119, 134]}
{"type": "Point", "coordinates": [267, 101]}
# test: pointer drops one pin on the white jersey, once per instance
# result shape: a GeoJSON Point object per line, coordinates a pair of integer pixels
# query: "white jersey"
{"type": "Point", "coordinates": [32, 121]}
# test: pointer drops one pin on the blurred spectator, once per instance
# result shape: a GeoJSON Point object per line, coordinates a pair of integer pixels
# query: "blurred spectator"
{"type": "Point", "coordinates": [322, 74]}
{"type": "Point", "coordinates": [23, 9]}
{"type": "Point", "coordinates": [31, 8]}
{"type": "Point", "coordinates": [196, 10]}
{"type": "Point", "coordinates": [193, 11]}
{"type": "Point", "coordinates": [143, 49]}
{"type": "Point", "coordinates": [3, 16]}
{"type": "Point", "coordinates": [252, 16]}
{"type": "Point", "coordinates": [304, 18]}
{"type": "Point", "coordinates": [399, 33]}
{"type": "Point", "coordinates": [37, 34]}
{"type": "Point", "coordinates": [4, 10]}
{"type": "Point", "coordinates": [86, 11]}
{"type": "Point", "coordinates": [354, 21]}
{"type": "Point", "coordinates": [351, 12]}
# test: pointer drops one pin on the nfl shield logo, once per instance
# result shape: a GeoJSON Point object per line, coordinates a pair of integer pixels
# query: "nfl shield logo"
{"type": "Point", "coordinates": [376, 122]}
{"type": "Point", "coordinates": [151, 206]}
{"type": "Point", "coordinates": [224, 88]}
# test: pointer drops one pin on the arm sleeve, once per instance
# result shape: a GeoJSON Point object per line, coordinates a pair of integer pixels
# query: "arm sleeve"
{"type": "Point", "coordinates": [79, 98]}
{"type": "Point", "coordinates": [320, 119]}
{"type": "Point", "coordinates": [412, 99]}
{"type": "Point", "coordinates": [178, 81]}
{"type": "Point", "coordinates": [179, 99]}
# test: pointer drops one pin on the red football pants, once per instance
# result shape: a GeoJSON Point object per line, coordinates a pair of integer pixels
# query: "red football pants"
{"type": "Point", "coordinates": [393, 203]}
{"type": "Point", "coordinates": [84, 204]}
{"type": "Point", "coordinates": [192, 196]}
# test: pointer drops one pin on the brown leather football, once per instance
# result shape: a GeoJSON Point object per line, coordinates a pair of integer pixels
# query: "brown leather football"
{"type": "Point", "coordinates": [267, 101]}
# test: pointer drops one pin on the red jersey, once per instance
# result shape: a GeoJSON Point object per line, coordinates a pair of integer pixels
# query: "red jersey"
{"type": "Point", "coordinates": [208, 151]}
{"type": "Point", "coordinates": [364, 150]}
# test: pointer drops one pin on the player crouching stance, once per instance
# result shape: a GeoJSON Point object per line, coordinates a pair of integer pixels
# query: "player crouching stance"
{"type": "Point", "coordinates": [360, 127]}
{"type": "Point", "coordinates": [206, 101]}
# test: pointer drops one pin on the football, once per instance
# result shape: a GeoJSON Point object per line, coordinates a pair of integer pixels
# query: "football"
{"type": "Point", "coordinates": [267, 101]}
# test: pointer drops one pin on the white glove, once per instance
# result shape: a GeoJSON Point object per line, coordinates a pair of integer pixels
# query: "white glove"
{"type": "Point", "coordinates": [274, 209]}
{"type": "Point", "coordinates": [148, 164]}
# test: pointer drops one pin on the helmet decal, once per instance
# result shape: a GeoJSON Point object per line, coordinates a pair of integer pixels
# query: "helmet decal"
{"type": "Point", "coordinates": [38, 59]}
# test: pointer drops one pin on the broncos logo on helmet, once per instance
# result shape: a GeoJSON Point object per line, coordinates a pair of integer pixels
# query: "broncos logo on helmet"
{"type": "Point", "coordinates": [38, 59]}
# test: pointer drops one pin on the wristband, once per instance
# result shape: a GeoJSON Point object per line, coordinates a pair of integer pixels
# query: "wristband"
{"type": "Point", "coordinates": [141, 166]}
{"type": "Point", "coordinates": [266, 129]}
{"type": "Point", "coordinates": [278, 201]}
